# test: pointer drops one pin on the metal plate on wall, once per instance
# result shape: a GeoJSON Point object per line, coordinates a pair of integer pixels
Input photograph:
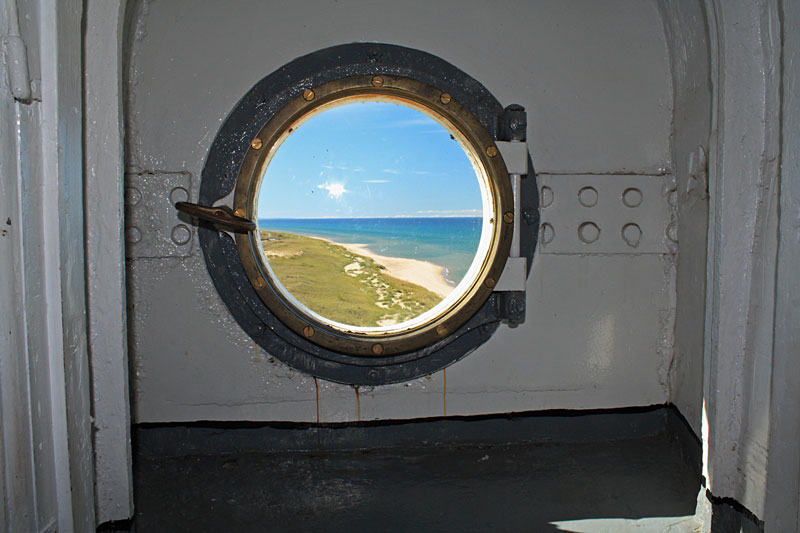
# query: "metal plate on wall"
{"type": "Point", "coordinates": [605, 214]}
{"type": "Point", "coordinates": [152, 226]}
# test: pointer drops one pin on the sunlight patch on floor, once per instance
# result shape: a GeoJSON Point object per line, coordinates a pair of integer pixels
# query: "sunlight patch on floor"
{"type": "Point", "coordinates": [669, 524]}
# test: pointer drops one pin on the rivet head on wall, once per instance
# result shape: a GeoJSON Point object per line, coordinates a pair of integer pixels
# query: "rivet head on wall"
{"type": "Point", "coordinates": [256, 144]}
{"type": "Point", "coordinates": [547, 196]}
{"type": "Point", "coordinates": [133, 235]}
{"type": "Point", "coordinates": [588, 232]}
{"type": "Point", "coordinates": [181, 234]}
{"type": "Point", "coordinates": [672, 231]}
{"type": "Point", "coordinates": [547, 233]}
{"type": "Point", "coordinates": [178, 194]}
{"type": "Point", "coordinates": [632, 197]}
{"type": "Point", "coordinates": [132, 196]}
{"type": "Point", "coordinates": [587, 197]}
{"type": "Point", "coordinates": [631, 234]}
{"type": "Point", "coordinates": [308, 95]}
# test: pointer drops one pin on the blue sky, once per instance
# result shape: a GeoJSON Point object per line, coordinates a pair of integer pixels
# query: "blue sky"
{"type": "Point", "coordinates": [369, 159]}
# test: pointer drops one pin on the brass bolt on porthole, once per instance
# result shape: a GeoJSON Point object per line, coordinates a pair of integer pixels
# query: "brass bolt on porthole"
{"type": "Point", "coordinates": [491, 151]}
{"type": "Point", "coordinates": [508, 218]}
{"type": "Point", "coordinates": [308, 95]}
{"type": "Point", "coordinates": [308, 332]}
{"type": "Point", "coordinates": [446, 98]}
{"type": "Point", "coordinates": [490, 282]}
{"type": "Point", "coordinates": [256, 144]}
{"type": "Point", "coordinates": [377, 349]}
{"type": "Point", "coordinates": [441, 330]}
{"type": "Point", "coordinates": [377, 81]}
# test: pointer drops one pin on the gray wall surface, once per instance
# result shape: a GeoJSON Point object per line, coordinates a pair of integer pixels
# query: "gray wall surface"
{"type": "Point", "coordinates": [597, 83]}
{"type": "Point", "coordinates": [782, 509]}
{"type": "Point", "coordinates": [687, 36]}
{"type": "Point", "coordinates": [45, 408]}
{"type": "Point", "coordinates": [104, 22]}
{"type": "Point", "coordinates": [617, 94]}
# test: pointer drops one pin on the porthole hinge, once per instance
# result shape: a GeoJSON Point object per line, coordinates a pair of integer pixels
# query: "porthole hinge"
{"type": "Point", "coordinates": [221, 215]}
{"type": "Point", "coordinates": [512, 135]}
{"type": "Point", "coordinates": [514, 149]}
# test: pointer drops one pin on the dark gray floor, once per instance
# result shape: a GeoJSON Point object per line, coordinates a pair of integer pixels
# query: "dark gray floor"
{"type": "Point", "coordinates": [521, 487]}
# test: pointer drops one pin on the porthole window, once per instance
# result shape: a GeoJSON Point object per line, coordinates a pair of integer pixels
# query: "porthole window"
{"type": "Point", "coordinates": [343, 188]}
{"type": "Point", "coordinates": [357, 214]}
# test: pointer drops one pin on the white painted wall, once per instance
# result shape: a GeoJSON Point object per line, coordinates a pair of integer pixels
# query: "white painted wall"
{"type": "Point", "coordinates": [687, 36]}
{"type": "Point", "coordinates": [751, 398]}
{"type": "Point", "coordinates": [599, 331]}
{"type": "Point", "coordinates": [782, 509]}
{"type": "Point", "coordinates": [44, 373]}
{"type": "Point", "coordinates": [742, 248]}
{"type": "Point", "coordinates": [105, 255]}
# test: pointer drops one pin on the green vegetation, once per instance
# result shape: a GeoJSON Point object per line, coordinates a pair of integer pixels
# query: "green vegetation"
{"type": "Point", "coordinates": [340, 285]}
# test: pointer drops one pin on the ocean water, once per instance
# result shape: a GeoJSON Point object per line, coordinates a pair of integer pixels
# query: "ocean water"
{"type": "Point", "coordinates": [448, 242]}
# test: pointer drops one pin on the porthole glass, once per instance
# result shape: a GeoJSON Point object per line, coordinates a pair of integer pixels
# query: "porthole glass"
{"type": "Point", "coordinates": [373, 217]}
{"type": "Point", "coordinates": [384, 214]}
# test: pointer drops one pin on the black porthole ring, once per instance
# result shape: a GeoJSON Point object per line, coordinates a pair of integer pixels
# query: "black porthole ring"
{"type": "Point", "coordinates": [219, 178]}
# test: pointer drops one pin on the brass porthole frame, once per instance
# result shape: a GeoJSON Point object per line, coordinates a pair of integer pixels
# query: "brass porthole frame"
{"type": "Point", "coordinates": [398, 89]}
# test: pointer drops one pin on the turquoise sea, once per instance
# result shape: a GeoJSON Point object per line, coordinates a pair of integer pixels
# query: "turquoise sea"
{"type": "Point", "coordinates": [448, 242]}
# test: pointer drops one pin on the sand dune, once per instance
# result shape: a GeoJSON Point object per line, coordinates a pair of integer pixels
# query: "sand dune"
{"type": "Point", "coordinates": [422, 273]}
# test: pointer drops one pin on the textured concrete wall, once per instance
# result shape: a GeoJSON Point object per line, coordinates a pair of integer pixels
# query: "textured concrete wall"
{"type": "Point", "coordinates": [782, 511]}
{"type": "Point", "coordinates": [686, 30]}
{"type": "Point", "coordinates": [16, 458]}
{"type": "Point", "coordinates": [596, 80]}
{"type": "Point", "coordinates": [48, 464]}
{"type": "Point", "coordinates": [105, 255]}
{"type": "Point", "coordinates": [62, 163]}
{"type": "Point", "coordinates": [743, 243]}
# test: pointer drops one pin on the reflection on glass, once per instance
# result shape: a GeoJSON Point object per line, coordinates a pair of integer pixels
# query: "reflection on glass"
{"type": "Point", "coordinates": [370, 215]}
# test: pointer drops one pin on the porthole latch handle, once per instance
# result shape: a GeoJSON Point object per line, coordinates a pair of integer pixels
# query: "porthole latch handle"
{"type": "Point", "coordinates": [221, 215]}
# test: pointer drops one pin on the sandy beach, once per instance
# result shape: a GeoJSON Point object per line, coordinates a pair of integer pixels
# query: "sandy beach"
{"type": "Point", "coordinates": [415, 271]}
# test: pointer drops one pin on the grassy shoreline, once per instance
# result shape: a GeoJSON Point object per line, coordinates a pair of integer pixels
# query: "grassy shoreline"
{"type": "Point", "coordinates": [340, 284]}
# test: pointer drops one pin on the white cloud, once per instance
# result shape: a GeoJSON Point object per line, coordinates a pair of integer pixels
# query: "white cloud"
{"type": "Point", "coordinates": [396, 171]}
{"type": "Point", "coordinates": [420, 121]}
{"type": "Point", "coordinates": [452, 212]}
{"type": "Point", "coordinates": [335, 190]}
{"type": "Point", "coordinates": [374, 181]}
{"type": "Point", "coordinates": [343, 167]}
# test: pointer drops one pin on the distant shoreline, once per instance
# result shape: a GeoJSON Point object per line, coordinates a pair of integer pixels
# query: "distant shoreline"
{"type": "Point", "coordinates": [422, 273]}
{"type": "Point", "coordinates": [395, 217]}
{"type": "Point", "coordinates": [448, 242]}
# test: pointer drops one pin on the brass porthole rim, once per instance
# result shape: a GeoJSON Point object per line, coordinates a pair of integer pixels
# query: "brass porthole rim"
{"type": "Point", "coordinates": [399, 90]}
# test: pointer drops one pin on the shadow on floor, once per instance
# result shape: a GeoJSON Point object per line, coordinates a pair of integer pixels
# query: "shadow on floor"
{"type": "Point", "coordinates": [518, 487]}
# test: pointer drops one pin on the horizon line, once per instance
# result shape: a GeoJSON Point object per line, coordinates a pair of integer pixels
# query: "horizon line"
{"type": "Point", "coordinates": [368, 217]}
